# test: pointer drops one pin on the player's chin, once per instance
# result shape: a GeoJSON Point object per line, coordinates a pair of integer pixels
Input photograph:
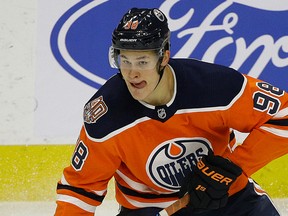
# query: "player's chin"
{"type": "Point", "coordinates": [138, 97]}
{"type": "Point", "coordinates": [138, 94]}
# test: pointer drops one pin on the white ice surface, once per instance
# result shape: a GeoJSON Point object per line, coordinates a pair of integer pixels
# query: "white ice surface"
{"type": "Point", "coordinates": [47, 208]}
{"type": "Point", "coordinates": [108, 208]}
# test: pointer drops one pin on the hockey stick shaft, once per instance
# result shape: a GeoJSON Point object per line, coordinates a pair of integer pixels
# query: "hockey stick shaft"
{"type": "Point", "coordinates": [176, 206]}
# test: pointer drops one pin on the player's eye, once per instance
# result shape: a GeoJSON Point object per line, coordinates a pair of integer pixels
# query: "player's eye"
{"type": "Point", "coordinates": [125, 62]}
{"type": "Point", "coordinates": [143, 63]}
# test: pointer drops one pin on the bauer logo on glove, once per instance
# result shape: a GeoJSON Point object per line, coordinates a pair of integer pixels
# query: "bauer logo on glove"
{"type": "Point", "coordinates": [209, 182]}
{"type": "Point", "coordinates": [206, 170]}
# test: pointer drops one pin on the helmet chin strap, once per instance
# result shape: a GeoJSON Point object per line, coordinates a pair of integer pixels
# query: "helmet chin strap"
{"type": "Point", "coordinates": [160, 72]}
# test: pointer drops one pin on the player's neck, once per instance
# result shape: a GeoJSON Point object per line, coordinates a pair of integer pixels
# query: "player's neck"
{"type": "Point", "coordinates": [165, 89]}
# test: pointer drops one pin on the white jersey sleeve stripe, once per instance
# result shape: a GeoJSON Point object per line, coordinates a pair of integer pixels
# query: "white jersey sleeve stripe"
{"type": "Point", "coordinates": [77, 202]}
{"type": "Point", "coordinates": [64, 181]}
{"type": "Point", "coordinates": [145, 204]}
{"type": "Point", "coordinates": [138, 186]}
{"type": "Point", "coordinates": [278, 132]}
{"type": "Point", "coordinates": [282, 113]}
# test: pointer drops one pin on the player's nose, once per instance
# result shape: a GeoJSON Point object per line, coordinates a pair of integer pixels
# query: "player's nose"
{"type": "Point", "coordinates": [133, 73]}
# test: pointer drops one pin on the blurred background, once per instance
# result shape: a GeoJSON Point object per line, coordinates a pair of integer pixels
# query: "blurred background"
{"type": "Point", "coordinates": [54, 57]}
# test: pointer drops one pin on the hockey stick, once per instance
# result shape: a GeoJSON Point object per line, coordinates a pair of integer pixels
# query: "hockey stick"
{"type": "Point", "coordinates": [176, 206]}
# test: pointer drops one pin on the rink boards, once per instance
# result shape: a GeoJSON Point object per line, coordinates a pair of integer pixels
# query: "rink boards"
{"type": "Point", "coordinates": [30, 173]}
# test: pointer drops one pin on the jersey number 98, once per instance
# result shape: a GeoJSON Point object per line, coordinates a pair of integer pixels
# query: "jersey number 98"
{"type": "Point", "coordinates": [267, 101]}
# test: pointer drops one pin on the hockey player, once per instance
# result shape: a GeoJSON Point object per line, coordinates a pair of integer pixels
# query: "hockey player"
{"type": "Point", "coordinates": [163, 127]}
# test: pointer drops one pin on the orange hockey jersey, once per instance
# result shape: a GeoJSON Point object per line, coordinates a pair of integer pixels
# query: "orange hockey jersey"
{"type": "Point", "coordinates": [148, 149]}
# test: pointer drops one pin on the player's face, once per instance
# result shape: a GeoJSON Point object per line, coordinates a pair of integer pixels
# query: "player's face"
{"type": "Point", "coordinates": [139, 70]}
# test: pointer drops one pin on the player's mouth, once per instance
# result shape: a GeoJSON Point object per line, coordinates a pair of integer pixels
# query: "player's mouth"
{"type": "Point", "coordinates": [139, 85]}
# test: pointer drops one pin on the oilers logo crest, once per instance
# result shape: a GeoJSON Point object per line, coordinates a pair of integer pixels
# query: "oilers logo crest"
{"type": "Point", "coordinates": [168, 163]}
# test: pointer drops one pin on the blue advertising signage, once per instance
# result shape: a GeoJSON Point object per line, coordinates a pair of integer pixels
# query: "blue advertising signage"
{"type": "Point", "coordinates": [246, 35]}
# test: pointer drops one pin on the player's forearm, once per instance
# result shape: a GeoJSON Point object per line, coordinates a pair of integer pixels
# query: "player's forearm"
{"type": "Point", "coordinates": [261, 145]}
{"type": "Point", "coordinates": [76, 201]}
